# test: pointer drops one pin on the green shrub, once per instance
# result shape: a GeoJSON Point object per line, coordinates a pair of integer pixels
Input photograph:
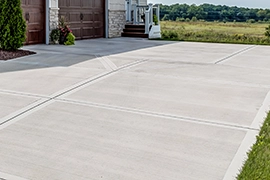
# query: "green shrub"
{"type": "Point", "coordinates": [12, 25]}
{"type": "Point", "coordinates": [155, 19]}
{"type": "Point", "coordinates": [194, 19]}
{"type": "Point", "coordinates": [251, 21]}
{"type": "Point", "coordinates": [180, 19]}
{"type": "Point", "coordinates": [173, 35]}
{"type": "Point", "coordinates": [267, 31]}
{"type": "Point", "coordinates": [55, 36]}
{"type": "Point", "coordinates": [70, 39]}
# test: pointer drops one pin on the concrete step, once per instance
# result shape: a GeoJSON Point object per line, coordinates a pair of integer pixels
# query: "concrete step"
{"type": "Point", "coordinates": [134, 30]}
{"type": "Point", "coordinates": [134, 26]}
{"type": "Point", "coordinates": [134, 34]}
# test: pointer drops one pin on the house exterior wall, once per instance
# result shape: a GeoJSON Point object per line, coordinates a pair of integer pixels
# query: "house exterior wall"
{"type": "Point", "coordinates": [117, 16]}
{"type": "Point", "coordinates": [116, 12]}
{"type": "Point", "coordinates": [141, 2]}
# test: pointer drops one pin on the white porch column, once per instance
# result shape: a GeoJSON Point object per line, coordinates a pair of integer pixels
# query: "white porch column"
{"type": "Point", "coordinates": [52, 11]}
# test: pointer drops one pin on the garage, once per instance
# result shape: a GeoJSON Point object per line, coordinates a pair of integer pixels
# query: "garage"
{"type": "Point", "coordinates": [34, 14]}
{"type": "Point", "coordinates": [85, 17]}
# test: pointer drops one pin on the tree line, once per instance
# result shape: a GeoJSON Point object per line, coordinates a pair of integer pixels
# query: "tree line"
{"type": "Point", "coordinates": [210, 12]}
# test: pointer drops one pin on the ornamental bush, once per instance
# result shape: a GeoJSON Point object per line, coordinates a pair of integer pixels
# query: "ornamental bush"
{"type": "Point", "coordinates": [70, 40]}
{"type": "Point", "coordinates": [12, 25]}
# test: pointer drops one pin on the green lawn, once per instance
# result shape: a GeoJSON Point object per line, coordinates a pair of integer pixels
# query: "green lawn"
{"type": "Point", "coordinates": [230, 32]}
{"type": "Point", "coordinates": [257, 166]}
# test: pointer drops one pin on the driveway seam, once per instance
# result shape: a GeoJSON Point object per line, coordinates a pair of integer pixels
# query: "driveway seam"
{"type": "Point", "coordinates": [157, 114]}
{"type": "Point", "coordinates": [23, 94]}
{"type": "Point", "coordinates": [235, 54]}
{"type": "Point", "coordinates": [11, 118]}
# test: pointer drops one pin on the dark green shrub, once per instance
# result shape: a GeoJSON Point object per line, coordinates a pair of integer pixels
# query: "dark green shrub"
{"type": "Point", "coordinates": [155, 19]}
{"type": "Point", "coordinates": [267, 31]}
{"type": "Point", "coordinates": [251, 21]}
{"type": "Point", "coordinates": [70, 39]}
{"type": "Point", "coordinates": [12, 25]}
{"type": "Point", "coordinates": [180, 19]}
{"type": "Point", "coordinates": [55, 36]}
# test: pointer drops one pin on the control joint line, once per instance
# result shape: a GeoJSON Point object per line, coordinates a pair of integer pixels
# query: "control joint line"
{"type": "Point", "coordinates": [70, 89]}
{"type": "Point", "coordinates": [157, 114]}
{"type": "Point", "coordinates": [234, 54]}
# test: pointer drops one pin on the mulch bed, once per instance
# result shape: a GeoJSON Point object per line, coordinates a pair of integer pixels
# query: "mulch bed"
{"type": "Point", "coordinates": [6, 55]}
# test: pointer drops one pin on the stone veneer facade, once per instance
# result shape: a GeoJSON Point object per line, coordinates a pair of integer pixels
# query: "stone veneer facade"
{"type": "Point", "coordinates": [53, 14]}
{"type": "Point", "coordinates": [116, 17]}
{"type": "Point", "coordinates": [53, 20]}
{"type": "Point", "coordinates": [116, 21]}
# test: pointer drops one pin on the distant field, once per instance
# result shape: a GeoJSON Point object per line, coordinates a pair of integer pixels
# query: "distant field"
{"type": "Point", "coordinates": [230, 32]}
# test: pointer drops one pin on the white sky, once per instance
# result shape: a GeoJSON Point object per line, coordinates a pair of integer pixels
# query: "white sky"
{"type": "Point", "coordinates": [265, 4]}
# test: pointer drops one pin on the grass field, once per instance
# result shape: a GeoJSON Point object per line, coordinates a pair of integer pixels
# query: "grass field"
{"type": "Point", "coordinates": [230, 32]}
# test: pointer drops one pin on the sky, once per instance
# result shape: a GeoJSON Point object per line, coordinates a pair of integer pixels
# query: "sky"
{"type": "Point", "coordinates": [265, 4]}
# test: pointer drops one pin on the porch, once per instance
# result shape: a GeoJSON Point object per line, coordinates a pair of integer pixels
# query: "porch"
{"type": "Point", "coordinates": [142, 20]}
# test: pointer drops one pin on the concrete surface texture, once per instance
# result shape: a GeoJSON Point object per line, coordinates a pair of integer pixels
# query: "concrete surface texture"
{"type": "Point", "coordinates": [131, 109]}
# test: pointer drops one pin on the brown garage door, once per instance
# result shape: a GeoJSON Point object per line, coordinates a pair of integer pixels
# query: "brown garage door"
{"type": "Point", "coordinates": [86, 17]}
{"type": "Point", "coordinates": [34, 14]}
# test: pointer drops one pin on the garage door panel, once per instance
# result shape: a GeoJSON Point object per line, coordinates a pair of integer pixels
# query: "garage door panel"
{"type": "Point", "coordinates": [97, 3]}
{"type": "Point", "coordinates": [77, 33]}
{"type": "Point", "coordinates": [98, 17]}
{"type": "Point", "coordinates": [85, 17]}
{"type": "Point", "coordinates": [23, 2]}
{"type": "Point", "coordinates": [74, 18]}
{"type": "Point", "coordinates": [63, 3]}
{"type": "Point", "coordinates": [34, 36]}
{"type": "Point", "coordinates": [88, 32]}
{"type": "Point", "coordinates": [75, 3]}
{"type": "Point", "coordinates": [34, 15]}
{"type": "Point", "coordinates": [35, 2]}
{"type": "Point", "coordinates": [87, 3]}
{"type": "Point", "coordinates": [88, 17]}
{"type": "Point", "coordinates": [99, 32]}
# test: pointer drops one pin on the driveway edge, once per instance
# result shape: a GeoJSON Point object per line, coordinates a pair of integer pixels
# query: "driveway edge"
{"type": "Point", "coordinates": [250, 138]}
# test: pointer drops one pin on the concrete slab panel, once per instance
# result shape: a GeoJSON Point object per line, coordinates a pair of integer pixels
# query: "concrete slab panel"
{"type": "Point", "coordinates": [182, 114]}
{"type": "Point", "coordinates": [255, 58]}
{"type": "Point", "coordinates": [188, 52]}
{"type": "Point", "coordinates": [9, 103]}
{"type": "Point", "coordinates": [71, 141]}
{"type": "Point", "coordinates": [45, 81]}
{"type": "Point", "coordinates": [185, 94]}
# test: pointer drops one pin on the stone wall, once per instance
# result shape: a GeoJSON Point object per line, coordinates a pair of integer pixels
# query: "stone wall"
{"type": "Point", "coordinates": [117, 21]}
{"type": "Point", "coordinates": [53, 20]}
{"type": "Point", "coordinates": [117, 17]}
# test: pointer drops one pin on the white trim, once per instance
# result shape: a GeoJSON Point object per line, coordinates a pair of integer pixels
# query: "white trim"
{"type": "Point", "coordinates": [47, 24]}
{"type": "Point", "coordinates": [106, 19]}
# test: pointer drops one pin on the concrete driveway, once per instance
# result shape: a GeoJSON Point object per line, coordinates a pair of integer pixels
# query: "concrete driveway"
{"type": "Point", "coordinates": [131, 109]}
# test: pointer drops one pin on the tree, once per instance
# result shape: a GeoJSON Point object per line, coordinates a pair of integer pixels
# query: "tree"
{"type": "Point", "coordinates": [12, 25]}
{"type": "Point", "coordinates": [210, 12]}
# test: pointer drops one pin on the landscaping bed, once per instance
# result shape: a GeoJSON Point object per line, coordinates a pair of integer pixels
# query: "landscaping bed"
{"type": "Point", "coordinates": [257, 166]}
{"type": "Point", "coordinates": [6, 55]}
